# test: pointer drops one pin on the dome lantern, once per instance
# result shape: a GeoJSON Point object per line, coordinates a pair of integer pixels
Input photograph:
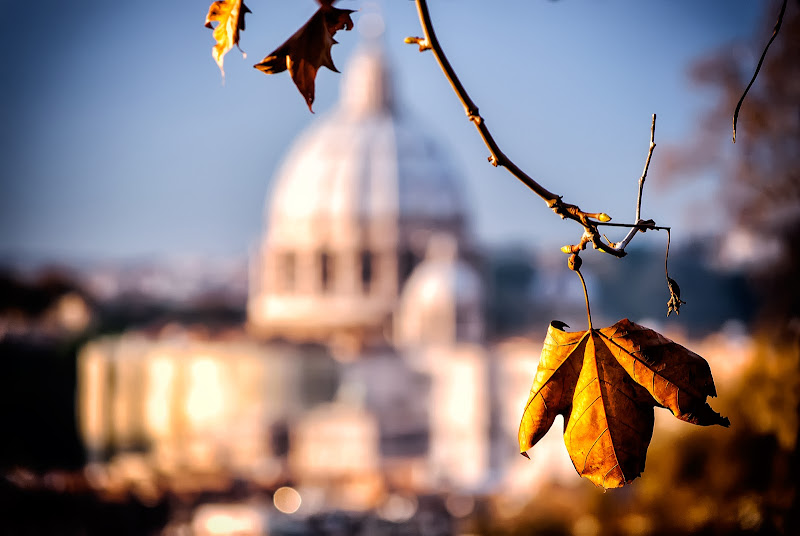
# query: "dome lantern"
{"type": "Point", "coordinates": [366, 86]}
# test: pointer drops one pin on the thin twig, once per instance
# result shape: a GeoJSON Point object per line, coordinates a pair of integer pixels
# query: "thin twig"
{"type": "Point", "coordinates": [641, 226]}
{"type": "Point", "coordinates": [625, 241]}
{"type": "Point", "coordinates": [758, 67]}
{"type": "Point", "coordinates": [497, 157]}
{"type": "Point", "coordinates": [646, 167]}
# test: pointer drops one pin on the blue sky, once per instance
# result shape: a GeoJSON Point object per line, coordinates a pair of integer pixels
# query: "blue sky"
{"type": "Point", "coordinates": [120, 141]}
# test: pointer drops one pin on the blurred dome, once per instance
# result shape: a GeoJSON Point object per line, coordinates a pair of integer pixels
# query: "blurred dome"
{"type": "Point", "coordinates": [353, 206]}
{"type": "Point", "coordinates": [442, 302]}
{"type": "Point", "coordinates": [360, 166]}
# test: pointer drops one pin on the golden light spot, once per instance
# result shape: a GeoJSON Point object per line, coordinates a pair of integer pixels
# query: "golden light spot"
{"type": "Point", "coordinates": [459, 505]}
{"type": "Point", "coordinates": [286, 500]}
{"type": "Point", "coordinates": [398, 508]}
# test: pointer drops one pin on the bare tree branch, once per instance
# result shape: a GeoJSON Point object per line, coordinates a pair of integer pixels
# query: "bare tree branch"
{"type": "Point", "coordinates": [589, 221]}
{"type": "Point", "coordinates": [758, 67]}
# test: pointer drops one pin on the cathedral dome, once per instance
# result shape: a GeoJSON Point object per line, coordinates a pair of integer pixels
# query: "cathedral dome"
{"type": "Point", "coordinates": [363, 164]}
{"type": "Point", "coordinates": [350, 214]}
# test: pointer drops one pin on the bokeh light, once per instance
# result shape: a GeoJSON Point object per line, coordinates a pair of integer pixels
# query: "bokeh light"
{"type": "Point", "coordinates": [287, 500]}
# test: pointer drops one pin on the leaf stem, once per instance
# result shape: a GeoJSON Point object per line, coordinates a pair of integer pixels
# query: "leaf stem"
{"type": "Point", "coordinates": [675, 301]}
{"type": "Point", "coordinates": [666, 257]}
{"type": "Point", "coordinates": [586, 298]}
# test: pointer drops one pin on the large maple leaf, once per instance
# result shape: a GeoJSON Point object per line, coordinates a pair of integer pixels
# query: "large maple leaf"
{"type": "Point", "coordinates": [308, 49]}
{"type": "Point", "coordinates": [229, 14]}
{"type": "Point", "coordinates": [606, 383]}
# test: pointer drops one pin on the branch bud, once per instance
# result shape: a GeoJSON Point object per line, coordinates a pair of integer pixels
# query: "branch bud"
{"type": "Point", "coordinates": [603, 217]}
{"type": "Point", "coordinates": [421, 41]}
{"type": "Point", "coordinates": [574, 262]}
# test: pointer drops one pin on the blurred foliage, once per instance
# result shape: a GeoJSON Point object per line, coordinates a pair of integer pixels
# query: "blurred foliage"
{"type": "Point", "coordinates": [31, 298]}
{"type": "Point", "coordinates": [740, 480]}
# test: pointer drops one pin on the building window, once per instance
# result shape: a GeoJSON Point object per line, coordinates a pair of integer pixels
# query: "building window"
{"type": "Point", "coordinates": [287, 269]}
{"type": "Point", "coordinates": [408, 261]}
{"type": "Point", "coordinates": [366, 270]}
{"type": "Point", "coordinates": [325, 271]}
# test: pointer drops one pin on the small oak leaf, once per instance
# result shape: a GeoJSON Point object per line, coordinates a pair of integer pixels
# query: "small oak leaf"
{"type": "Point", "coordinates": [229, 14]}
{"type": "Point", "coordinates": [309, 49]}
{"type": "Point", "coordinates": [606, 383]}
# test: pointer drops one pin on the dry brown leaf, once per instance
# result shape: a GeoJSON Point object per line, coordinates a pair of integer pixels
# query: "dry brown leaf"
{"type": "Point", "coordinates": [230, 16]}
{"type": "Point", "coordinates": [606, 383]}
{"type": "Point", "coordinates": [675, 301]}
{"type": "Point", "coordinates": [309, 49]}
